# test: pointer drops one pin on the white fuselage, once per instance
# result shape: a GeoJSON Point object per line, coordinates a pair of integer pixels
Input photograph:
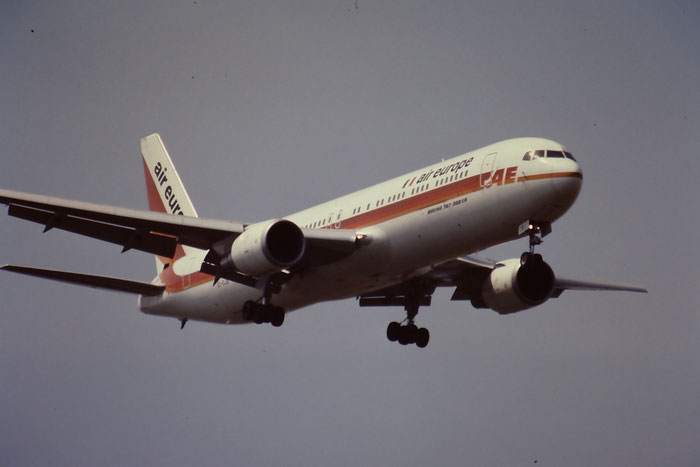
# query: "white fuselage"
{"type": "Point", "coordinates": [415, 221]}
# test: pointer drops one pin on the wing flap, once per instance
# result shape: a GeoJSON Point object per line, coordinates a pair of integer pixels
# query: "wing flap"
{"type": "Point", "coordinates": [100, 282]}
{"type": "Point", "coordinates": [128, 238]}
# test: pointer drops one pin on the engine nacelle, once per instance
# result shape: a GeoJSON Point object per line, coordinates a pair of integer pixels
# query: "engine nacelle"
{"type": "Point", "coordinates": [515, 287]}
{"type": "Point", "coordinates": [266, 247]}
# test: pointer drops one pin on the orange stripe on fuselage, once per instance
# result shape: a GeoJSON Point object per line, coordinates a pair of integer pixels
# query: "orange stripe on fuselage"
{"type": "Point", "coordinates": [175, 283]}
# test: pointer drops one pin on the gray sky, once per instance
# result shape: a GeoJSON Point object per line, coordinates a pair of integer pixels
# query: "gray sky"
{"type": "Point", "coordinates": [269, 107]}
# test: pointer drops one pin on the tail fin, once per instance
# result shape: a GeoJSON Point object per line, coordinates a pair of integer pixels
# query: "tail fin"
{"type": "Point", "coordinates": [166, 193]}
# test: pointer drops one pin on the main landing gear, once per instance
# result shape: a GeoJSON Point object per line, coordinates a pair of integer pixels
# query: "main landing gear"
{"type": "Point", "coordinates": [408, 333]}
{"type": "Point", "coordinates": [263, 313]}
{"type": "Point", "coordinates": [411, 295]}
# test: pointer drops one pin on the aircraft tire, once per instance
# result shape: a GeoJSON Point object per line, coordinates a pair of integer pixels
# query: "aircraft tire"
{"type": "Point", "coordinates": [405, 336]}
{"type": "Point", "coordinates": [422, 337]}
{"type": "Point", "coordinates": [248, 310]}
{"type": "Point", "coordinates": [277, 316]}
{"type": "Point", "coordinates": [259, 315]}
{"type": "Point", "coordinates": [393, 331]}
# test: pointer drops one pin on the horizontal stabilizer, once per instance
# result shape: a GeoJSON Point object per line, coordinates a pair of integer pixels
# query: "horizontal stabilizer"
{"type": "Point", "coordinates": [100, 282]}
{"type": "Point", "coordinates": [562, 284]}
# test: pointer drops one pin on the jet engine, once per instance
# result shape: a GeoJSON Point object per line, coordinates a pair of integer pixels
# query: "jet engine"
{"type": "Point", "coordinates": [266, 247]}
{"type": "Point", "coordinates": [517, 286]}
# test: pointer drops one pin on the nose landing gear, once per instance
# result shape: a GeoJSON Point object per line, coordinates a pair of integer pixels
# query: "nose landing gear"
{"type": "Point", "coordinates": [535, 231]}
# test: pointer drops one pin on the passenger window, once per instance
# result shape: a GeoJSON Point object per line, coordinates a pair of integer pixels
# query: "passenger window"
{"type": "Point", "coordinates": [555, 154]}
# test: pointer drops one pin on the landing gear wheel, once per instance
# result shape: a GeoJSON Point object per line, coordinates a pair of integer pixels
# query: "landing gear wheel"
{"type": "Point", "coordinates": [277, 316]}
{"type": "Point", "coordinates": [248, 310]}
{"type": "Point", "coordinates": [422, 337]}
{"type": "Point", "coordinates": [259, 315]}
{"type": "Point", "coordinates": [408, 334]}
{"type": "Point", "coordinates": [393, 331]}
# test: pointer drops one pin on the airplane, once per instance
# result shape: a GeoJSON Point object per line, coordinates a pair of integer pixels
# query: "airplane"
{"type": "Point", "coordinates": [392, 244]}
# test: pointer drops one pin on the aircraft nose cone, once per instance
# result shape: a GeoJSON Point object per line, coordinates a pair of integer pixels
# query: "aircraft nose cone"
{"type": "Point", "coordinates": [567, 180]}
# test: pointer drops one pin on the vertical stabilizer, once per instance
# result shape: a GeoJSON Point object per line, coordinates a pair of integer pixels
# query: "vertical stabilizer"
{"type": "Point", "coordinates": [166, 193]}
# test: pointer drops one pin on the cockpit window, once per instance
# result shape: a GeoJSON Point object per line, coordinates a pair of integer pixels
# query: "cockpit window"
{"type": "Point", "coordinates": [531, 155]}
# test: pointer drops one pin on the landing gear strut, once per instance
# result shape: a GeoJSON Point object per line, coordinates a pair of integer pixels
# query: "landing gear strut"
{"type": "Point", "coordinates": [535, 231]}
{"type": "Point", "coordinates": [411, 295]}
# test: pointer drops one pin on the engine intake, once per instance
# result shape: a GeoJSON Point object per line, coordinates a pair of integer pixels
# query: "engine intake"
{"type": "Point", "coordinates": [515, 287]}
{"type": "Point", "coordinates": [266, 247]}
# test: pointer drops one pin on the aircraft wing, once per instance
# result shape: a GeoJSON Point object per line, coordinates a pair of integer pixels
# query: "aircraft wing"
{"type": "Point", "coordinates": [462, 272]}
{"type": "Point", "coordinates": [467, 275]}
{"type": "Point", "coordinates": [561, 284]}
{"type": "Point", "coordinates": [155, 232]}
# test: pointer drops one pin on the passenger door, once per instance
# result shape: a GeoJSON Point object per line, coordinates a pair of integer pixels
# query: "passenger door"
{"type": "Point", "coordinates": [487, 166]}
